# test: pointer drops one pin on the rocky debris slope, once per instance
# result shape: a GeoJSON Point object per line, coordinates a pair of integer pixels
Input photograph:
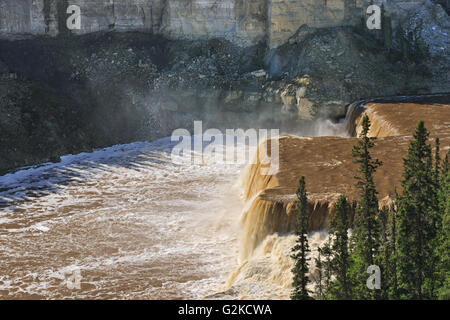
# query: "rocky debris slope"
{"type": "Point", "coordinates": [38, 124]}
{"type": "Point", "coordinates": [118, 88]}
{"type": "Point", "coordinates": [432, 25]}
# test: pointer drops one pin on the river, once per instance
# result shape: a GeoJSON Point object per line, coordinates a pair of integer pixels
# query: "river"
{"type": "Point", "coordinates": [126, 222]}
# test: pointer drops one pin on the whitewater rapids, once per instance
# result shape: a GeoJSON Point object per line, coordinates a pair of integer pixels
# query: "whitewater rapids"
{"type": "Point", "coordinates": [135, 225]}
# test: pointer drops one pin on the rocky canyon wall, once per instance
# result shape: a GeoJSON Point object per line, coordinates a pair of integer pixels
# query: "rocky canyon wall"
{"type": "Point", "coordinates": [243, 22]}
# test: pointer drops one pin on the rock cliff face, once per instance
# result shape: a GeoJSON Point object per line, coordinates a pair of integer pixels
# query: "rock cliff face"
{"type": "Point", "coordinates": [48, 17]}
{"type": "Point", "coordinates": [243, 22]}
{"type": "Point", "coordinates": [240, 21]}
{"type": "Point", "coordinates": [285, 17]}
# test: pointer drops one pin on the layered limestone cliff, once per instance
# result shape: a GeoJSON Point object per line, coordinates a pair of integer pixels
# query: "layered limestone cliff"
{"type": "Point", "coordinates": [240, 21]}
{"type": "Point", "coordinates": [328, 167]}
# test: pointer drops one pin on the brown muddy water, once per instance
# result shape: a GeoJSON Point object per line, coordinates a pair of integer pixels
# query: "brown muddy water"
{"type": "Point", "coordinates": [126, 222]}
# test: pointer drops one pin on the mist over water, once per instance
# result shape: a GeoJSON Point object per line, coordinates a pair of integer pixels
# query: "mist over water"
{"type": "Point", "coordinates": [266, 273]}
{"type": "Point", "coordinates": [136, 226]}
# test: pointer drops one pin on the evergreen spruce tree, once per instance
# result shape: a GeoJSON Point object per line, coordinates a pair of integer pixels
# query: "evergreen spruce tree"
{"type": "Point", "coordinates": [443, 250]}
{"type": "Point", "coordinates": [416, 220]}
{"type": "Point", "coordinates": [365, 237]}
{"type": "Point", "coordinates": [341, 285]}
{"type": "Point", "coordinates": [393, 282]}
{"type": "Point", "coordinates": [445, 165]}
{"type": "Point", "coordinates": [319, 278]}
{"type": "Point", "coordinates": [301, 249]}
{"type": "Point", "coordinates": [327, 264]}
{"type": "Point", "coordinates": [435, 216]}
{"type": "Point", "coordinates": [437, 162]}
{"type": "Point", "coordinates": [386, 253]}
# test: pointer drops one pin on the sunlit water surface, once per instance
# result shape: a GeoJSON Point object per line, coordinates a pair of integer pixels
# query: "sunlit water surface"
{"type": "Point", "coordinates": [126, 222]}
{"type": "Point", "coordinates": [134, 224]}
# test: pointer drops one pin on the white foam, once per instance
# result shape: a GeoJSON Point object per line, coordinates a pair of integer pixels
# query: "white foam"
{"type": "Point", "coordinates": [119, 214]}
